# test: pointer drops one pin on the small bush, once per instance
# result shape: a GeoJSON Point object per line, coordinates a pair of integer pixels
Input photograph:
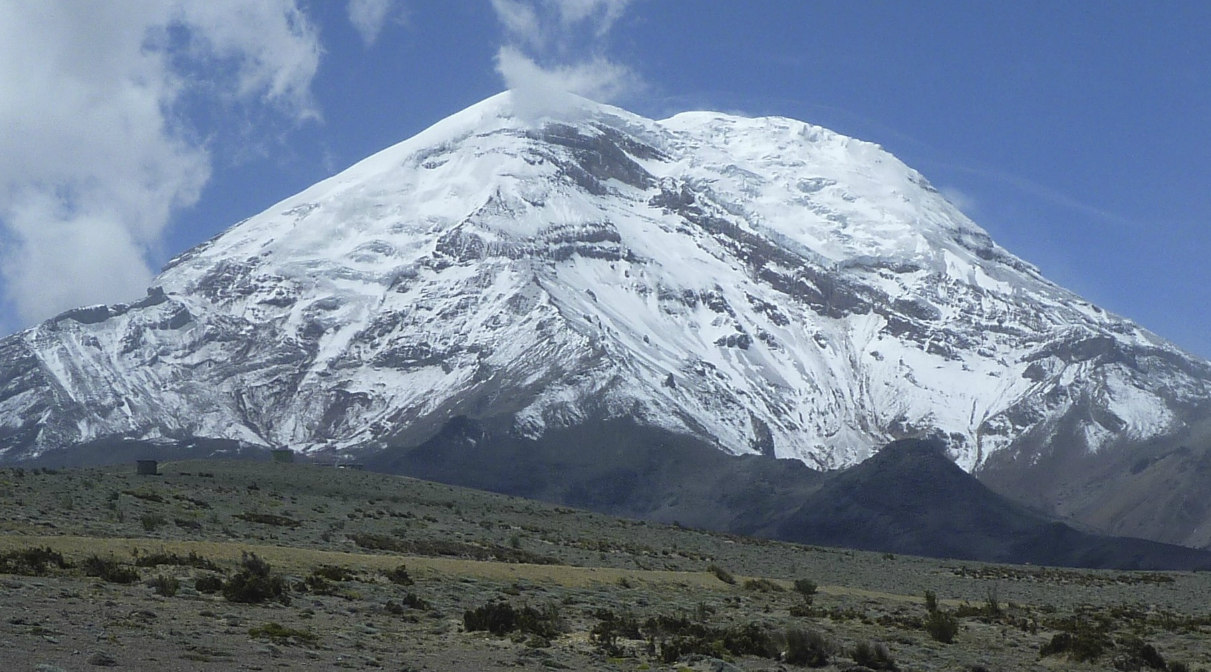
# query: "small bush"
{"type": "Point", "coordinates": [805, 587]}
{"type": "Point", "coordinates": [208, 584]}
{"type": "Point", "coordinates": [610, 628]}
{"type": "Point", "coordinates": [151, 521]}
{"type": "Point", "coordinates": [410, 601]}
{"type": "Point", "coordinates": [942, 626]}
{"type": "Point", "coordinates": [281, 634]}
{"type": "Point", "coordinates": [254, 583]}
{"type": "Point", "coordinates": [268, 519]}
{"type": "Point", "coordinates": [166, 586]}
{"type": "Point", "coordinates": [191, 560]}
{"type": "Point", "coordinates": [992, 603]}
{"type": "Point", "coordinates": [931, 601]}
{"type": "Point", "coordinates": [1081, 647]}
{"type": "Point", "coordinates": [763, 586]}
{"type": "Point", "coordinates": [31, 561]}
{"type": "Point", "coordinates": [501, 618]}
{"type": "Point", "coordinates": [874, 655]}
{"type": "Point", "coordinates": [333, 573]}
{"type": "Point", "coordinates": [109, 570]}
{"type": "Point", "coordinates": [399, 576]}
{"type": "Point", "coordinates": [722, 574]}
{"type": "Point", "coordinates": [808, 648]}
{"type": "Point", "coordinates": [1136, 654]}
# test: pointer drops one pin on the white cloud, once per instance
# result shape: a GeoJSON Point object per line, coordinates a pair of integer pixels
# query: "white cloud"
{"type": "Point", "coordinates": [95, 157]}
{"type": "Point", "coordinates": [960, 199]}
{"type": "Point", "coordinates": [555, 49]}
{"type": "Point", "coordinates": [540, 92]}
{"type": "Point", "coordinates": [603, 12]}
{"type": "Point", "coordinates": [520, 21]}
{"type": "Point", "coordinates": [369, 17]}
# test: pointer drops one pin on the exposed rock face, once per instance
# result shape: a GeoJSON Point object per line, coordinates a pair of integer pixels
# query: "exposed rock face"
{"type": "Point", "coordinates": [764, 285]}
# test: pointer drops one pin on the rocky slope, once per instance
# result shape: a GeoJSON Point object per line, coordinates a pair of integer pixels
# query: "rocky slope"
{"type": "Point", "coordinates": [763, 285]}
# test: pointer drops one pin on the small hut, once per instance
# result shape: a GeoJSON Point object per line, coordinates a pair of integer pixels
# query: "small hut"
{"type": "Point", "coordinates": [284, 455]}
{"type": "Point", "coordinates": [148, 468]}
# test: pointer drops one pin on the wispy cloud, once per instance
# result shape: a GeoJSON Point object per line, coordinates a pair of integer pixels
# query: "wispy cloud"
{"type": "Point", "coordinates": [369, 17]}
{"type": "Point", "coordinates": [555, 48]}
{"type": "Point", "coordinates": [1042, 193]}
{"type": "Point", "coordinates": [960, 199]}
{"type": "Point", "coordinates": [96, 156]}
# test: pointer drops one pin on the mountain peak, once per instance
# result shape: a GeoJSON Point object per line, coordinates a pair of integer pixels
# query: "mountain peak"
{"type": "Point", "coordinates": [763, 284]}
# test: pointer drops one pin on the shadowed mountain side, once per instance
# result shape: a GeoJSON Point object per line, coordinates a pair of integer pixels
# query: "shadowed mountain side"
{"type": "Point", "coordinates": [615, 467]}
{"type": "Point", "coordinates": [910, 498]}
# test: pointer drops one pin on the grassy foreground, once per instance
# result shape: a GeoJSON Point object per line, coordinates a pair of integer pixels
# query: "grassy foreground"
{"type": "Point", "coordinates": [244, 565]}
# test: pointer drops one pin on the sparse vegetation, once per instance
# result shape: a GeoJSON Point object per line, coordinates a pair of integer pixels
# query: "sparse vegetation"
{"type": "Point", "coordinates": [763, 586]}
{"type": "Point", "coordinates": [255, 583]}
{"type": "Point", "coordinates": [808, 648]}
{"type": "Point", "coordinates": [31, 561]}
{"type": "Point", "coordinates": [268, 519]}
{"type": "Point", "coordinates": [874, 655]}
{"type": "Point", "coordinates": [209, 583]}
{"type": "Point", "coordinates": [635, 588]}
{"type": "Point", "coordinates": [166, 586]}
{"type": "Point", "coordinates": [399, 576]}
{"type": "Point", "coordinates": [282, 635]}
{"type": "Point", "coordinates": [941, 626]}
{"type": "Point", "coordinates": [191, 560]}
{"type": "Point", "coordinates": [722, 574]}
{"type": "Point", "coordinates": [501, 618]}
{"type": "Point", "coordinates": [108, 569]}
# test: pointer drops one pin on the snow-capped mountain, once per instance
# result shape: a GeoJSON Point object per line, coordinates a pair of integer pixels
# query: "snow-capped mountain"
{"type": "Point", "coordinates": [763, 284]}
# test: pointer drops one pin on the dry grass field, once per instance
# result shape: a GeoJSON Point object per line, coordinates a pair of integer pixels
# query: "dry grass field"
{"type": "Point", "coordinates": [263, 566]}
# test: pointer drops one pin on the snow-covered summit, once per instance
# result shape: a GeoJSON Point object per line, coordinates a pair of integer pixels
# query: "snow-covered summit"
{"type": "Point", "coordinates": [763, 284]}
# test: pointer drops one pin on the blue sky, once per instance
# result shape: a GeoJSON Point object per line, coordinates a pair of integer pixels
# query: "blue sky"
{"type": "Point", "coordinates": [1075, 132]}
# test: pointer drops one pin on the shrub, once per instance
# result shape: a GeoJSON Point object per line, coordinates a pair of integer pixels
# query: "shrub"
{"type": "Point", "coordinates": [808, 648]}
{"type": "Point", "coordinates": [208, 584]}
{"type": "Point", "coordinates": [992, 603]}
{"type": "Point", "coordinates": [109, 570]}
{"type": "Point", "coordinates": [873, 655]}
{"type": "Point", "coordinates": [268, 519]}
{"type": "Point", "coordinates": [763, 586]}
{"type": "Point", "coordinates": [942, 626]}
{"type": "Point", "coordinates": [1081, 647]}
{"type": "Point", "coordinates": [931, 601]}
{"type": "Point", "coordinates": [333, 573]}
{"type": "Point", "coordinates": [609, 628]}
{"type": "Point", "coordinates": [805, 587]}
{"type": "Point", "coordinates": [722, 574]}
{"type": "Point", "coordinates": [1136, 654]}
{"type": "Point", "coordinates": [399, 576]}
{"type": "Point", "coordinates": [281, 634]}
{"type": "Point", "coordinates": [31, 561]}
{"type": "Point", "coordinates": [254, 583]}
{"type": "Point", "coordinates": [165, 585]}
{"type": "Point", "coordinates": [151, 521]}
{"type": "Point", "coordinates": [409, 601]}
{"type": "Point", "coordinates": [191, 560]}
{"type": "Point", "coordinates": [501, 618]}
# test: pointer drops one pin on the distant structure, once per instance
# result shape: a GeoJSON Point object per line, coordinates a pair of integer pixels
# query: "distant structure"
{"type": "Point", "coordinates": [359, 467]}
{"type": "Point", "coordinates": [284, 455]}
{"type": "Point", "coordinates": [148, 468]}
